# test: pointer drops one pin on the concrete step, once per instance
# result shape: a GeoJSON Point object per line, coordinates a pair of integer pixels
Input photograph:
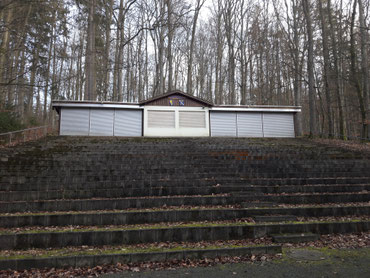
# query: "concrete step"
{"type": "Point", "coordinates": [102, 218]}
{"type": "Point", "coordinates": [107, 257]}
{"type": "Point", "coordinates": [252, 204]}
{"type": "Point", "coordinates": [295, 238]}
{"type": "Point", "coordinates": [244, 193]}
{"type": "Point", "coordinates": [20, 184]}
{"type": "Point", "coordinates": [154, 202]}
{"type": "Point", "coordinates": [39, 238]}
{"type": "Point", "coordinates": [121, 191]}
{"type": "Point", "coordinates": [275, 218]}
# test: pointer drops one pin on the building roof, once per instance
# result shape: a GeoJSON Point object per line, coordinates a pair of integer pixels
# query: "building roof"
{"type": "Point", "coordinates": [57, 104]}
{"type": "Point", "coordinates": [177, 92]}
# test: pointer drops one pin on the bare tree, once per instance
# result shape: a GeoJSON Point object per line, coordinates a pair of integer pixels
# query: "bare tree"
{"type": "Point", "coordinates": [310, 67]}
{"type": "Point", "coordinates": [189, 84]}
{"type": "Point", "coordinates": [90, 89]}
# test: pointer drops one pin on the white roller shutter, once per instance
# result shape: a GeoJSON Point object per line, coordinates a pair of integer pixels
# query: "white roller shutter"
{"type": "Point", "coordinates": [278, 125]}
{"type": "Point", "coordinates": [161, 119]}
{"type": "Point", "coordinates": [223, 124]}
{"type": "Point", "coordinates": [101, 122]}
{"type": "Point", "coordinates": [75, 121]}
{"type": "Point", "coordinates": [127, 122]}
{"type": "Point", "coordinates": [192, 119]}
{"type": "Point", "coordinates": [249, 124]}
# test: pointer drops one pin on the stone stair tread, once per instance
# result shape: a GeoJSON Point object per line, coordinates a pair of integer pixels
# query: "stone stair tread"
{"type": "Point", "coordinates": [258, 204]}
{"type": "Point", "coordinates": [89, 260]}
{"type": "Point", "coordinates": [93, 192]}
{"type": "Point", "coordinates": [245, 194]}
{"type": "Point", "coordinates": [178, 233]}
{"type": "Point", "coordinates": [294, 237]}
{"type": "Point", "coordinates": [274, 218]}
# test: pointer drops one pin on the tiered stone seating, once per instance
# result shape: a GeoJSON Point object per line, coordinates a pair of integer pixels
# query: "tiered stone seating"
{"type": "Point", "coordinates": [75, 191]}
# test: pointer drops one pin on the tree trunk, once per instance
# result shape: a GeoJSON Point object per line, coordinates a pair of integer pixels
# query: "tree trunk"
{"type": "Point", "coordinates": [109, 11]}
{"type": "Point", "coordinates": [170, 28]}
{"type": "Point", "coordinates": [117, 74]}
{"type": "Point", "coordinates": [90, 86]}
{"type": "Point", "coordinates": [21, 87]}
{"type": "Point", "coordinates": [161, 47]}
{"type": "Point", "coordinates": [46, 89]}
{"type": "Point", "coordinates": [364, 70]}
{"type": "Point", "coordinates": [326, 68]}
{"type": "Point", "coordinates": [33, 79]}
{"type": "Point", "coordinates": [4, 51]}
{"type": "Point", "coordinates": [189, 83]}
{"type": "Point", "coordinates": [355, 78]}
{"type": "Point", "coordinates": [310, 66]}
{"type": "Point", "coordinates": [338, 80]}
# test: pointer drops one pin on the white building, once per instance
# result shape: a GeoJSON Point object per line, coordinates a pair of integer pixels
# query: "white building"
{"type": "Point", "coordinates": [174, 114]}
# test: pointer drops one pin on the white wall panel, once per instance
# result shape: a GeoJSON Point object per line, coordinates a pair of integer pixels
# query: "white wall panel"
{"type": "Point", "coordinates": [75, 121]}
{"type": "Point", "coordinates": [101, 122]}
{"type": "Point", "coordinates": [278, 124]}
{"type": "Point", "coordinates": [223, 124]}
{"type": "Point", "coordinates": [127, 122]}
{"type": "Point", "coordinates": [249, 124]}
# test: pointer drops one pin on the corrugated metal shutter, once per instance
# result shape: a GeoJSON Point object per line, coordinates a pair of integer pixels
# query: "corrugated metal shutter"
{"type": "Point", "coordinates": [278, 125]}
{"type": "Point", "coordinates": [161, 119]}
{"type": "Point", "coordinates": [223, 124]}
{"type": "Point", "coordinates": [192, 119]}
{"type": "Point", "coordinates": [249, 124]}
{"type": "Point", "coordinates": [75, 121]}
{"type": "Point", "coordinates": [101, 122]}
{"type": "Point", "coordinates": [127, 122]}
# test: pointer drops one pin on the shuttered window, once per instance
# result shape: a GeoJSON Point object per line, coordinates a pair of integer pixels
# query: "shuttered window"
{"type": "Point", "coordinates": [223, 124]}
{"type": "Point", "coordinates": [249, 124]}
{"type": "Point", "coordinates": [161, 119]}
{"type": "Point", "coordinates": [278, 124]}
{"type": "Point", "coordinates": [75, 121]}
{"type": "Point", "coordinates": [101, 122]}
{"type": "Point", "coordinates": [192, 119]}
{"type": "Point", "coordinates": [127, 122]}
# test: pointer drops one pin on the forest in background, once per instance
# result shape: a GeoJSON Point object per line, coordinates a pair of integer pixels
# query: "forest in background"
{"type": "Point", "coordinates": [310, 53]}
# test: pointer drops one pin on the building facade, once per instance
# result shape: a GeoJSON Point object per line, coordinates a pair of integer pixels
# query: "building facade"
{"type": "Point", "coordinates": [174, 114]}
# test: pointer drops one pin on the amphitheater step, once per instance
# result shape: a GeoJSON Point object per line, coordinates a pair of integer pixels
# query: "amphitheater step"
{"type": "Point", "coordinates": [295, 238]}
{"type": "Point", "coordinates": [274, 218]}
{"type": "Point", "coordinates": [242, 194]}
{"type": "Point", "coordinates": [121, 192]}
{"type": "Point", "coordinates": [258, 204]}
{"type": "Point", "coordinates": [39, 238]}
{"type": "Point", "coordinates": [84, 195]}
{"type": "Point", "coordinates": [107, 258]}
{"type": "Point", "coordinates": [102, 218]}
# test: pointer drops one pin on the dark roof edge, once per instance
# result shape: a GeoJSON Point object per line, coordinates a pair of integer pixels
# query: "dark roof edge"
{"type": "Point", "coordinates": [92, 102]}
{"type": "Point", "coordinates": [258, 106]}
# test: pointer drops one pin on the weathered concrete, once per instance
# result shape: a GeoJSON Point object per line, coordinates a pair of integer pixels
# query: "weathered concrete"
{"type": "Point", "coordinates": [126, 218]}
{"type": "Point", "coordinates": [94, 260]}
{"type": "Point", "coordinates": [175, 234]}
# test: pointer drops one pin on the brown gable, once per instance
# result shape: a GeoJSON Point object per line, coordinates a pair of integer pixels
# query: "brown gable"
{"type": "Point", "coordinates": [176, 98]}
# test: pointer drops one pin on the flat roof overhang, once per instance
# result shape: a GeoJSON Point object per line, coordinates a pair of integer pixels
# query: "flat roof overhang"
{"type": "Point", "coordinates": [93, 104]}
{"type": "Point", "coordinates": [256, 108]}
{"type": "Point", "coordinates": [225, 108]}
